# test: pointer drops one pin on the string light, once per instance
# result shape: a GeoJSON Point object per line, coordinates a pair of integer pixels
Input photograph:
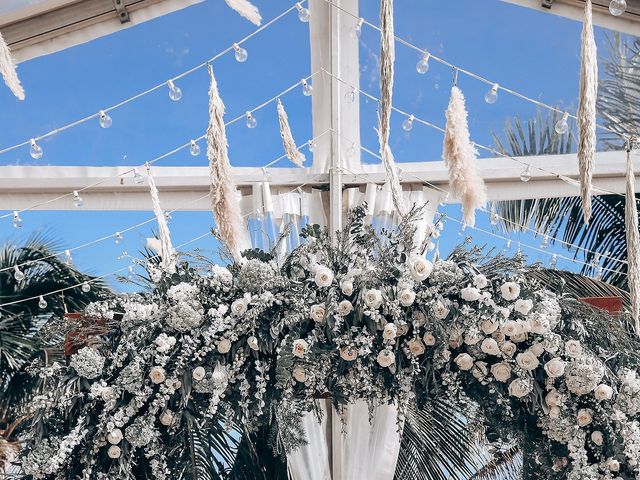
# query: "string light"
{"type": "Point", "coordinates": [175, 93]}
{"type": "Point", "coordinates": [18, 274]}
{"type": "Point", "coordinates": [617, 7]}
{"type": "Point", "coordinates": [17, 221]}
{"type": "Point", "coordinates": [357, 30]}
{"type": "Point", "coordinates": [130, 272]}
{"type": "Point", "coordinates": [118, 238]}
{"type": "Point", "coordinates": [407, 125]}
{"type": "Point", "coordinates": [251, 120]}
{"type": "Point", "coordinates": [562, 126]}
{"type": "Point", "coordinates": [422, 66]}
{"type": "Point", "coordinates": [350, 96]}
{"type": "Point", "coordinates": [77, 199]}
{"type": "Point", "coordinates": [303, 13]}
{"type": "Point", "coordinates": [194, 148]}
{"type": "Point", "coordinates": [553, 263]}
{"type": "Point", "coordinates": [493, 215]}
{"type": "Point", "coordinates": [491, 96]}
{"type": "Point", "coordinates": [137, 176]}
{"type": "Point", "coordinates": [42, 303]}
{"type": "Point", "coordinates": [311, 144]}
{"type": "Point", "coordinates": [105, 120]}
{"type": "Point", "coordinates": [35, 150]}
{"type": "Point", "coordinates": [444, 198]}
{"type": "Point", "coordinates": [525, 176]}
{"type": "Point", "coordinates": [307, 89]}
{"type": "Point", "coordinates": [241, 53]}
{"type": "Point", "coordinates": [351, 151]}
{"type": "Point", "coordinates": [68, 259]}
{"type": "Point", "coordinates": [86, 287]}
{"type": "Point", "coordinates": [545, 241]}
{"type": "Point", "coordinates": [267, 175]}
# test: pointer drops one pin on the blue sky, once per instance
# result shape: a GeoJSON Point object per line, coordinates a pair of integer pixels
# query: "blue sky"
{"type": "Point", "coordinates": [532, 52]}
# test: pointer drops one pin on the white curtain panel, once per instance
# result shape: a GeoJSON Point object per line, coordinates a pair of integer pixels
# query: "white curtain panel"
{"type": "Point", "coordinates": [348, 445]}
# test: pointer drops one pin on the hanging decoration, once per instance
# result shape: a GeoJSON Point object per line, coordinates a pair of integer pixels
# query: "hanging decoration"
{"type": "Point", "coordinates": [459, 154]}
{"type": "Point", "coordinates": [587, 110]}
{"type": "Point", "coordinates": [224, 195]}
{"type": "Point", "coordinates": [387, 57]}
{"type": "Point", "coordinates": [166, 251]}
{"type": "Point", "coordinates": [246, 9]}
{"type": "Point", "coordinates": [290, 148]}
{"type": "Point", "coordinates": [633, 241]}
{"type": "Point", "coordinates": [8, 70]}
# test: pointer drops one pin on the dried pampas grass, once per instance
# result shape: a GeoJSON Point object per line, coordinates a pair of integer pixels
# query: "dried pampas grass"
{"type": "Point", "coordinates": [165, 248]}
{"type": "Point", "coordinates": [8, 70]}
{"type": "Point", "coordinates": [633, 242]}
{"type": "Point", "coordinates": [246, 9]}
{"type": "Point", "coordinates": [459, 154]}
{"type": "Point", "coordinates": [290, 148]}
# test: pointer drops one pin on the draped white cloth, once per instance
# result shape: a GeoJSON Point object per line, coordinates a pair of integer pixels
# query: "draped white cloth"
{"type": "Point", "coordinates": [348, 446]}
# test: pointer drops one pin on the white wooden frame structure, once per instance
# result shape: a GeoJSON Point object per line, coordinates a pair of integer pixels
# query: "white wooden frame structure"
{"type": "Point", "coordinates": [335, 50]}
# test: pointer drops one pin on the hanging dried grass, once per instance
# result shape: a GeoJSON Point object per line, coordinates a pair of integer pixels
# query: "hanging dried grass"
{"type": "Point", "coordinates": [459, 154]}
{"type": "Point", "coordinates": [633, 242]}
{"type": "Point", "coordinates": [587, 110]}
{"type": "Point", "coordinates": [387, 57]}
{"type": "Point", "coordinates": [166, 248]}
{"type": "Point", "coordinates": [246, 9]}
{"type": "Point", "coordinates": [225, 202]}
{"type": "Point", "coordinates": [290, 148]}
{"type": "Point", "coordinates": [8, 70]}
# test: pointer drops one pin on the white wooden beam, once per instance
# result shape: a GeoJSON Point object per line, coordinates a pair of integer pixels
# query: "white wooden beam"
{"type": "Point", "coordinates": [25, 186]}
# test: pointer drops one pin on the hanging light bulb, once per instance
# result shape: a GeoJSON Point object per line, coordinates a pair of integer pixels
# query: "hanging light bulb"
{"type": "Point", "coordinates": [407, 125]}
{"type": "Point", "coordinates": [168, 216]}
{"type": "Point", "coordinates": [351, 151]}
{"type": "Point", "coordinates": [251, 120]}
{"type": "Point", "coordinates": [68, 259]}
{"type": "Point", "coordinates": [422, 66]}
{"type": "Point", "coordinates": [545, 241]}
{"type": "Point", "coordinates": [105, 120]}
{"type": "Point", "coordinates": [553, 263]}
{"type": "Point", "coordinates": [525, 176]}
{"type": "Point", "coordinates": [307, 89]}
{"type": "Point", "coordinates": [131, 273]}
{"type": "Point", "coordinates": [42, 303]}
{"type": "Point", "coordinates": [17, 221]}
{"type": "Point", "coordinates": [303, 13]}
{"type": "Point", "coordinates": [463, 227]}
{"type": "Point", "coordinates": [311, 144]}
{"type": "Point", "coordinates": [493, 215]}
{"type": "Point", "coordinates": [137, 176]}
{"type": "Point", "coordinates": [507, 246]}
{"type": "Point", "coordinates": [175, 93]}
{"type": "Point", "coordinates": [350, 96]}
{"type": "Point", "coordinates": [444, 199]}
{"type": "Point", "coordinates": [85, 287]}
{"type": "Point", "coordinates": [617, 7]}
{"type": "Point", "coordinates": [561, 125]}
{"type": "Point", "coordinates": [77, 199]}
{"type": "Point", "coordinates": [241, 53]}
{"type": "Point", "coordinates": [35, 150]}
{"type": "Point", "coordinates": [118, 238]}
{"type": "Point", "coordinates": [194, 148]}
{"type": "Point", "coordinates": [267, 174]}
{"type": "Point", "coordinates": [357, 30]}
{"type": "Point", "coordinates": [18, 274]}
{"type": "Point", "coordinates": [491, 96]}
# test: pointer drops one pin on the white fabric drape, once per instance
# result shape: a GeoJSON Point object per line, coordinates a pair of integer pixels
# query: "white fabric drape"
{"type": "Point", "coordinates": [348, 445]}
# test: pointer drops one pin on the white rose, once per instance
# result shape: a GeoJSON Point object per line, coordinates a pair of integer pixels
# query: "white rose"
{"type": "Point", "coordinates": [490, 347]}
{"type": "Point", "coordinates": [166, 418]}
{"type": "Point", "coordinates": [510, 290]}
{"type": "Point", "coordinates": [573, 348]}
{"type": "Point", "coordinates": [224, 346]}
{"type": "Point", "coordinates": [597, 437]}
{"type": "Point", "coordinates": [239, 307]}
{"type": "Point", "coordinates": [114, 436]}
{"type": "Point", "coordinates": [323, 277]}
{"type": "Point", "coordinates": [603, 392]}
{"type": "Point", "coordinates": [584, 417]}
{"type": "Point", "coordinates": [523, 306]}
{"type": "Point", "coordinates": [390, 331]}
{"type": "Point", "coordinates": [386, 358]}
{"type": "Point", "coordinates": [317, 313]}
{"type": "Point", "coordinates": [470, 294]}
{"type": "Point", "coordinates": [509, 348]}
{"type": "Point", "coordinates": [373, 298]}
{"type": "Point", "coordinates": [480, 281]}
{"type": "Point", "coordinates": [527, 361]}
{"type": "Point", "coordinates": [300, 347]}
{"type": "Point", "coordinates": [464, 361]}
{"type": "Point", "coordinates": [419, 268]}
{"type": "Point", "coordinates": [554, 398]}
{"type": "Point", "coordinates": [440, 311]}
{"type": "Point", "coordinates": [416, 347]}
{"type": "Point", "coordinates": [198, 373]}
{"type": "Point", "coordinates": [252, 341]}
{"type": "Point", "coordinates": [501, 372]}
{"type": "Point", "coordinates": [498, 337]}
{"type": "Point", "coordinates": [519, 388]}
{"type": "Point", "coordinates": [429, 339]}
{"type": "Point", "coordinates": [613, 464]}
{"type": "Point", "coordinates": [299, 374]}
{"type": "Point", "coordinates": [555, 367]}
{"type": "Point", "coordinates": [488, 326]}
{"type": "Point", "coordinates": [537, 349]}
{"type": "Point", "coordinates": [157, 375]}
{"type": "Point", "coordinates": [504, 311]}
{"type": "Point", "coordinates": [511, 328]}
{"type": "Point", "coordinates": [407, 297]}
{"type": "Point", "coordinates": [473, 338]}
{"type": "Point", "coordinates": [344, 308]}
{"type": "Point", "coordinates": [519, 337]}
{"type": "Point", "coordinates": [479, 370]}
{"type": "Point", "coordinates": [554, 412]}
{"type": "Point", "coordinates": [348, 353]}
{"type": "Point", "coordinates": [347, 287]}
{"type": "Point", "coordinates": [114, 451]}
{"type": "Point", "coordinates": [539, 324]}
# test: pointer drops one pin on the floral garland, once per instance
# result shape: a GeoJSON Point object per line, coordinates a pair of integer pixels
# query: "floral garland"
{"type": "Point", "coordinates": [258, 343]}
